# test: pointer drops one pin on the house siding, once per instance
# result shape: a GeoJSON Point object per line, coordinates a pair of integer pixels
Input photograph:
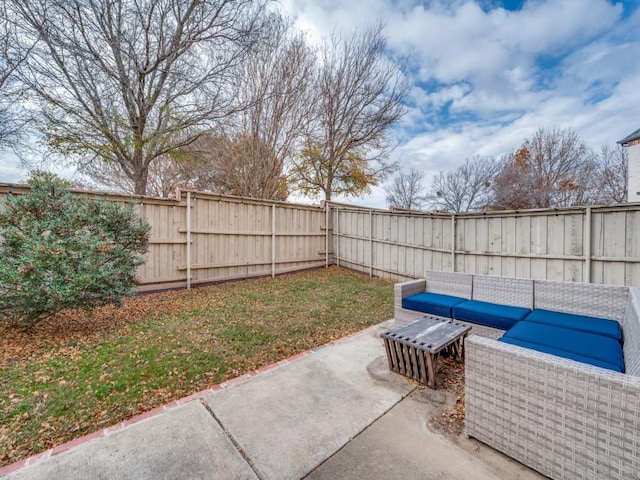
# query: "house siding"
{"type": "Point", "coordinates": [634, 171]}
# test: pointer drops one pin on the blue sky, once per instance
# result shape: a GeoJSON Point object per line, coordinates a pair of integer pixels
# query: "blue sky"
{"type": "Point", "coordinates": [486, 74]}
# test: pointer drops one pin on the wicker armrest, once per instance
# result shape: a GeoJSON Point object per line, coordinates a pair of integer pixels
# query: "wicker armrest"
{"type": "Point", "coordinates": [406, 289]}
{"type": "Point", "coordinates": [565, 419]}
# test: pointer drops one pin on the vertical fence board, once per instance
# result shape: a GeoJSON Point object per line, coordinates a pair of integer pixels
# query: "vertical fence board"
{"type": "Point", "coordinates": [632, 241]}
{"type": "Point", "coordinates": [232, 238]}
{"type": "Point", "coordinates": [544, 244]}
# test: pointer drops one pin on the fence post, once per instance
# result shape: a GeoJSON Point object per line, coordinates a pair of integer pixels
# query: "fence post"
{"type": "Point", "coordinates": [188, 240]}
{"type": "Point", "coordinates": [326, 236]}
{"type": "Point", "coordinates": [453, 242]}
{"type": "Point", "coordinates": [586, 242]}
{"type": "Point", "coordinates": [273, 240]}
{"type": "Point", "coordinates": [337, 236]}
{"type": "Point", "coordinates": [370, 243]}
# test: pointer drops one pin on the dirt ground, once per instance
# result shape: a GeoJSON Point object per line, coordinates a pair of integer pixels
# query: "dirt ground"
{"type": "Point", "coordinates": [450, 378]}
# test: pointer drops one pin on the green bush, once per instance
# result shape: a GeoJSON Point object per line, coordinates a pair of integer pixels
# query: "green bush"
{"type": "Point", "coordinates": [59, 251]}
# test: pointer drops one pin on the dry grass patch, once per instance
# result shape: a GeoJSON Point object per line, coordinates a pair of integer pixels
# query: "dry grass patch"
{"type": "Point", "coordinates": [76, 373]}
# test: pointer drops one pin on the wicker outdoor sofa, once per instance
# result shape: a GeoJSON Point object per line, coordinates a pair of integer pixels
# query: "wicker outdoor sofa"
{"type": "Point", "coordinates": [564, 418]}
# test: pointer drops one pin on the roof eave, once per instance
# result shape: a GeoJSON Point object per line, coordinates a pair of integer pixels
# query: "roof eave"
{"type": "Point", "coordinates": [630, 138]}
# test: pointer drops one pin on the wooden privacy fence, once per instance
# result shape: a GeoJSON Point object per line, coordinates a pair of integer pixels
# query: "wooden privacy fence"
{"type": "Point", "coordinates": [200, 238]}
{"type": "Point", "coordinates": [203, 238]}
{"type": "Point", "coordinates": [591, 244]}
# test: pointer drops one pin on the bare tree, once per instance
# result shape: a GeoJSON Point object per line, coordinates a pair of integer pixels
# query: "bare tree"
{"type": "Point", "coordinates": [554, 168]}
{"type": "Point", "coordinates": [122, 81]}
{"type": "Point", "coordinates": [360, 96]}
{"type": "Point", "coordinates": [468, 188]}
{"type": "Point", "coordinates": [165, 174]}
{"type": "Point", "coordinates": [197, 166]}
{"type": "Point", "coordinates": [13, 52]}
{"type": "Point", "coordinates": [276, 87]}
{"type": "Point", "coordinates": [234, 165]}
{"type": "Point", "coordinates": [107, 176]}
{"type": "Point", "coordinates": [513, 185]}
{"type": "Point", "coordinates": [407, 190]}
{"type": "Point", "coordinates": [612, 180]}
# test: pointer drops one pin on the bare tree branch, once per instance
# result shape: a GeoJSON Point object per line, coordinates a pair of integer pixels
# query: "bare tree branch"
{"type": "Point", "coordinates": [468, 188]}
{"type": "Point", "coordinates": [165, 174]}
{"type": "Point", "coordinates": [554, 168]}
{"type": "Point", "coordinates": [612, 180]}
{"type": "Point", "coordinates": [407, 190]}
{"type": "Point", "coordinates": [122, 81]}
{"type": "Point", "coordinates": [275, 85]}
{"type": "Point", "coordinates": [249, 157]}
{"type": "Point", "coordinates": [13, 52]}
{"type": "Point", "coordinates": [360, 96]}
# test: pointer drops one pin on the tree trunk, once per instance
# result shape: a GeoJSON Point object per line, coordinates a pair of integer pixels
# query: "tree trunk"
{"type": "Point", "coordinates": [328, 193]}
{"type": "Point", "coordinates": [140, 181]}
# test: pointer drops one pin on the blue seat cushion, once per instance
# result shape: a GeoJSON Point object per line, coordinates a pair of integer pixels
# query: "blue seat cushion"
{"type": "Point", "coordinates": [489, 314]}
{"type": "Point", "coordinates": [600, 326]}
{"type": "Point", "coordinates": [433, 303]}
{"type": "Point", "coordinates": [598, 350]}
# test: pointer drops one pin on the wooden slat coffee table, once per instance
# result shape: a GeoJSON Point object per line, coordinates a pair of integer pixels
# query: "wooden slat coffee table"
{"type": "Point", "coordinates": [413, 350]}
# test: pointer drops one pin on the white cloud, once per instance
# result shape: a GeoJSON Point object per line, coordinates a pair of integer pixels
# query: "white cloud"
{"type": "Point", "coordinates": [495, 48]}
{"type": "Point", "coordinates": [320, 18]}
{"type": "Point", "coordinates": [11, 170]}
{"type": "Point", "coordinates": [14, 169]}
{"type": "Point", "coordinates": [485, 65]}
{"type": "Point", "coordinates": [492, 76]}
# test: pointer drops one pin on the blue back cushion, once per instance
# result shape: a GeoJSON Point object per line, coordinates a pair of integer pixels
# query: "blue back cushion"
{"type": "Point", "coordinates": [560, 353]}
{"type": "Point", "coordinates": [584, 347]}
{"type": "Point", "coordinates": [489, 314]}
{"type": "Point", "coordinates": [600, 326]}
{"type": "Point", "coordinates": [433, 303]}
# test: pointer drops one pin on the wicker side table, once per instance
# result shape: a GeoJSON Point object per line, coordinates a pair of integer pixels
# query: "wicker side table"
{"type": "Point", "coordinates": [413, 350]}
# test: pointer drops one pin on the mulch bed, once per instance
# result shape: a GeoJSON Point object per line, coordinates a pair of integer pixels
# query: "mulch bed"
{"type": "Point", "coordinates": [451, 378]}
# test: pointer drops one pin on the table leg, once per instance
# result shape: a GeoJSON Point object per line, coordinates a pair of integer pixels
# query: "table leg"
{"type": "Point", "coordinates": [389, 356]}
{"type": "Point", "coordinates": [432, 365]}
{"type": "Point", "coordinates": [455, 348]}
{"type": "Point", "coordinates": [407, 360]}
{"type": "Point", "coordinates": [423, 368]}
{"type": "Point", "coordinates": [462, 345]}
{"type": "Point", "coordinates": [414, 364]}
{"type": "Point", "coordinates": [399, 357]}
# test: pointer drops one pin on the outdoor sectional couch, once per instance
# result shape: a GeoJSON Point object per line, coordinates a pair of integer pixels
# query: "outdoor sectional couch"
{"type": "Point", "coordinates": [565, 416]}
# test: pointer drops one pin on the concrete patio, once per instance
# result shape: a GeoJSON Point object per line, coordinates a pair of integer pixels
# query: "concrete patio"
{"type": "Point", "coordinates": [333, 413]}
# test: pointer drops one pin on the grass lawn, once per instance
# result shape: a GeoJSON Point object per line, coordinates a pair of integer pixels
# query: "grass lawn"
{"type": "Point", "coordinates": [77, 373]}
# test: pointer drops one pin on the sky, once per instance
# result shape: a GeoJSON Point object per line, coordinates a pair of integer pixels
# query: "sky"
{"type": "Point", "coordinates": [486, 74]}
